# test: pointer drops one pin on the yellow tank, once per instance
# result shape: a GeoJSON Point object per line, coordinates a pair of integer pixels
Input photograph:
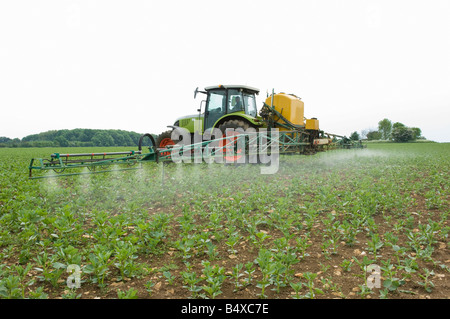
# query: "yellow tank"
{"type": "Point", "coordinates": [290, 107]}
{"type": "Point", "coordinates": [312, 124]}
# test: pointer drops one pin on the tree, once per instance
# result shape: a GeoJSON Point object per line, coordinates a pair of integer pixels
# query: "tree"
{"type": "Point", "coordinates": [397, 125]}
{"type": "Point", "coordinates": [402, 134]}
{"type": "Point", "coordinates": [76, 138]}
{"type": "Point", "coordinates": [417, 132]}
{"type": "Point", "coordinates": [355, 136]}
{"type": "Point", "coordinates": [385, 128]}
{"type": "Point", "coordinates": [374, 135]}
{"type": "Point", "coordinates": [102, 138]}
{"type": "Point", "coordinates": [15, 142]}
{"type": "Point", "coordinates": [62, 141]}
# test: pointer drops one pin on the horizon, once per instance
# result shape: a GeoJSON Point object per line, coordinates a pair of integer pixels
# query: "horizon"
{"type": "Point", "coordinates": [421, 139]}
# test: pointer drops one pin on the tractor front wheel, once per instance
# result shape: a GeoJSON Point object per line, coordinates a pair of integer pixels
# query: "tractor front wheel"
{"type": "Point", "coordinates": [233, 151]}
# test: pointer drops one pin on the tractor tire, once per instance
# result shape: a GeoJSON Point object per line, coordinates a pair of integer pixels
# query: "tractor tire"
{"type": "Point", "coordinates": [163, 140]}
{"type": "Point", "coordinates": [238, 154]}
{"type": "Point", "coordinates": [234, 124]}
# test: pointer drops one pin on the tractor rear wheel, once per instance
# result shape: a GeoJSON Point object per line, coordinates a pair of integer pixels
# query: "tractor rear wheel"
{"type": "Point", "coordinates": [164, 140]}
{"type": "Point", "coordinates": [232, 150]}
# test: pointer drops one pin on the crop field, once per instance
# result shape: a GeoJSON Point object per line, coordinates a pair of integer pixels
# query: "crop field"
{"type": "Point", "coordinates": [344, 224]}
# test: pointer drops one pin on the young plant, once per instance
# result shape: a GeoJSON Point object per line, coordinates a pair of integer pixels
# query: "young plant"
{"type": "Point", "coordinates": [236, 274]}
{"type": "Point", "coordinates": [212, 251]}
{"type": "Point", "coordinates": [364, 291]}
{"type": "Point", "coordinates": [427, 284]}
{"type": "Point", "coordinates": [391, 239]}
{"type": "Point", "coordinates": [38, 294]}
{"type": "Point", "coordinates": [70, 255]}
{"type": "Point", "coordinates": [328, 284]}
{"type": "Point", "coordinates": [414, 240]}
{"type": "Point", "coordinates": [426, 253]}
{"type": "Point", "coordinates": [297, 287]}
{"type": "Point", "coordinates": [52, 275]}
{"type": "Point", "coordinates": [325, 248]}
{"type": "Point", "coordinates": [259, 238]}
{"type": "Point", "coordinates": [313, 291]}
{"type": "Point", "coordinates": [215, 277]}
{"type": "Point", "coordinates": [10, 288]}
{"type": "Point", "coordinates": [233, 239]}
{"type": "Point", "coordinates": [278, 275]}
{"type": "Point", "coordinates": [410, 266]}
{"type": "Point", "coordinates": [266, 279]}
{"type": "Point", "coordinates": [124, 255]}
{"type": "Point", "coordinates": [149, 287]}
{"type": "Point", "coordinates": [375, 244]}
{"type": "Point", "coordinates": [384, 293]}
{"type": "Point", "coordinates": [267, 267]}
{"type": "Point", "coordinates": [398, 252]}
{"type": "Point", "coordinates": [330, 246]}
{"type": "Point", "coordinates": [249, 270]}
{"type": "Point", "coordinates": [169, 277]}
{"type": "Point", "coordinates": [71, 294]}
{"type": "Point", "coordinates": [392, 283]}
{"type": "Point", "coordinates": [185, 246]}
{"type": "Point", "coordinates": [349, 233]}
{"type": "Point", "coordinates": [128, 294]}
{"type": "Point", "coordinates": [302, 245]}
{"type": "Point", "coordinates": [99, 264]}
{"type": "Point", "coordinates": [191, 280]}
{"type": "Point", "coordinates": [364, 263]}
{"type": "Point", "coordinates": [346, 265]}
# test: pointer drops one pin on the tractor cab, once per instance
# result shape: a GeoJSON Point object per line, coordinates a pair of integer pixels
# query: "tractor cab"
{"type": "Point", "coordinates": [223, 100]}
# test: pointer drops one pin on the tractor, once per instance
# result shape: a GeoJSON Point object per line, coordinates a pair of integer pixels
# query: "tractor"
{"type": "Point", "coordinates": [234, 107]}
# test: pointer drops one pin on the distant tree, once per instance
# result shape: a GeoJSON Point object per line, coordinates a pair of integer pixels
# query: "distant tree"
{"type": "Point", "coordinates": [374, 135]}
{"type": "Point", "coordinates": [397, 125]}
{"type": "Point", "coordinates": [103, 138]}
{"type": "Point", "coordinates": [417, 132]}
{"type": "Point", "coordinates": [14, 142]}
{"type": "Point", "coordinates": [30, 138]}
{"type": "Point", "coordinates": [354, 136]}
{"type": "Point", "coordinates": [75, 138]}
{"type": "Point", "coordinates": [62, 141]}
{"type": "Point", "coordinates": [88, 135]}
{"type": "Point", "coordinates": [385, 128]}
{"type": "Point", "coordinates": [402, 134]}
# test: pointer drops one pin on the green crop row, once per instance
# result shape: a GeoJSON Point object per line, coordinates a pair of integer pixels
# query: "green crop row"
{"type": "Point", "coordinates": [211, 231]}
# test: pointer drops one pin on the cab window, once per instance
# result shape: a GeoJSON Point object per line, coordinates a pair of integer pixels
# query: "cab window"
{"type": "Point", "coordinates": [235, 101]}
{"type": "Point", "coordinates": [250, 104]}
{"type": "Point", "coordinates": [216, 107]}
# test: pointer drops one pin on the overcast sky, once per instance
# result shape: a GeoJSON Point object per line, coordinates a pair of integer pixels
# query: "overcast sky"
{"type": "Point", "coordinates": [134, 65]}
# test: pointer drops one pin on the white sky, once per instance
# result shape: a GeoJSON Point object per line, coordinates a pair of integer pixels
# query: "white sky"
{"type": "Point", "coordinates": [134, 65]}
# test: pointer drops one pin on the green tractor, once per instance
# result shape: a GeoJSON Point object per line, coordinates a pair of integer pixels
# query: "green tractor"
{"type": "Point", "coordinates": [227, 106]}
{"type": "Point", "coordinates": [230, 111]}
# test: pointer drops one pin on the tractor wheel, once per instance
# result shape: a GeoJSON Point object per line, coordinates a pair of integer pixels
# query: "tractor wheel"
{"type": "Point", "coordinates": [164, 140]}
{"type": "Point", "coordinates": [235, 151]}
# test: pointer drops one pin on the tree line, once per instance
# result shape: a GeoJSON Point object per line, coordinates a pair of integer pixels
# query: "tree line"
{"type": "Point", "coordinates": [74, 138]}
{"type": "Point", "coordinates": [388, 131]}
